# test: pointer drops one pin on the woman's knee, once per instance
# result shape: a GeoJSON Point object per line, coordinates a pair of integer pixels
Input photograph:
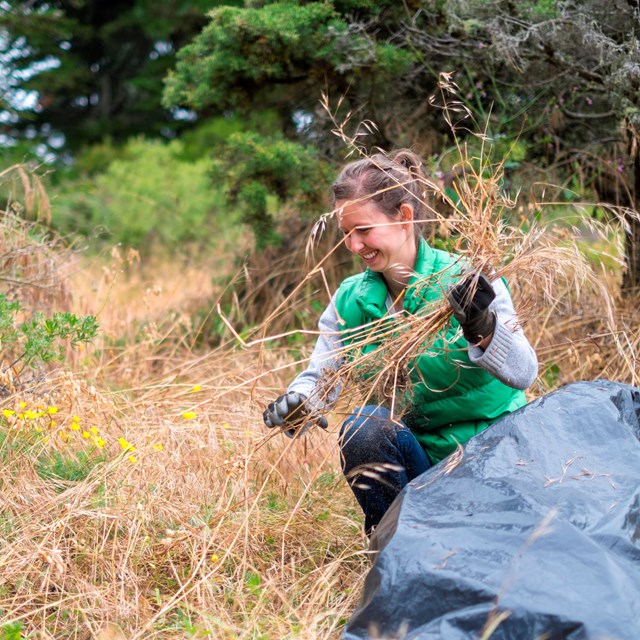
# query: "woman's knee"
{"type": "Point", "coordinates": [365, 426]}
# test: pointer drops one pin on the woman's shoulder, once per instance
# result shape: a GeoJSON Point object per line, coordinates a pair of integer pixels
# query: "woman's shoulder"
{"type": "Point", "coordinates": [352, 281]}
{"type": "Point", "coordinates": [363, 283]}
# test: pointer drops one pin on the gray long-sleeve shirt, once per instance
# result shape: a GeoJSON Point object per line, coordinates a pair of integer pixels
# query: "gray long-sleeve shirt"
{"type": "Point", "coordinates": [509, 357]}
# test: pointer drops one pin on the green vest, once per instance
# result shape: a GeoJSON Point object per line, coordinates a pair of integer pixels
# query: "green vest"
{"type": "Point", "coordinates": [452, 398]}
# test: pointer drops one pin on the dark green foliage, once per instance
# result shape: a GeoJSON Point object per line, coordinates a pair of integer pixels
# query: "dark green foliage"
{"type": "Point", "coordinates": [281, 55]}
{"type": "Point", "coordinates": [242, 50]}
{"type": "Point", "coordinates": [257, 169]}
{"type": "Point", "coordinates": [96, 67]}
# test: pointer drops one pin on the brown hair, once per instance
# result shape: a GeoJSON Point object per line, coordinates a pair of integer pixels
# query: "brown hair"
{"type": "Point", "coordinates": [388, 180]}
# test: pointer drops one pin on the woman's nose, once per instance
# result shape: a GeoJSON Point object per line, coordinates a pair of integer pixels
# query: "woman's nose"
{"type": "Point", "coordinates": [353, 242]}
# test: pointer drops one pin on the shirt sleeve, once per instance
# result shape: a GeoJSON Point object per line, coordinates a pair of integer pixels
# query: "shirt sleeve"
{"type": "Point", "coordinates": [326, 358]}
{"type": "Point", "coordinates": [509, 357]}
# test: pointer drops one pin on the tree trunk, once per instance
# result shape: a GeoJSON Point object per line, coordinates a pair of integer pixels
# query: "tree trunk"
{"type": "Point", "coordinates": [631, 279]}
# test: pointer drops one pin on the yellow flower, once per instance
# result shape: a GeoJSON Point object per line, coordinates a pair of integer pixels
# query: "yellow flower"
{"type": "Point", "coordinates": [45, 439]}
{"type": "Point", "coordinates": [158, 447]}
{"type": "Point", "coordinates": [64, 436]}
{"type": "Point", "coordinates": [225, 425]}
{"type": "Point", "coordinates": [94, 430]}
{"type": "Point", "coordinates": [22, 404]}
{"type": "Point", "coordinates": [75, 426]}
{"type": "Point", "coordinates": [126, 445]}
{"type": "Point", "coordinates": [196, 388]}
{"type": "Point", "coordinates": [76, 419]}
{"type": "Point", "coordinates": [133, 459]}
{"type": "Point", "coordinates": [30, 415]}
{"type": "Point", "coordinates": [99, 442]}
{"type": "Point", "coordinates": [214, 558]}
{"type": "Point", "coordinates": [53, 424]}
{"type": "Point", "coordinates": [52, 410]}
{"type": "Point", "coordinates": [188, 415]}
{"type": "Point", "coordinates": [21, 416]}
{"type": "Point", "coordinates": [86, 435]}
{"type": "Point", "coordinates": [7, 412]}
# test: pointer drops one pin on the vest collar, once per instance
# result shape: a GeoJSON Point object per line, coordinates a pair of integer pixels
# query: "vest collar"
{"type": "Point", "coordinates": [372, 292]}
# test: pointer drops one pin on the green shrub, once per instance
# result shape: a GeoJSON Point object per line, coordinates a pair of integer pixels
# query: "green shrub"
{"type": "Point", "coordinates": [148, 196]}
{"type": "Point", "coordinates": [263, 173]}
{"type": "Point", "coordinates": [11, 631]}
{"type": "Point", "coordinates": [41, 339]}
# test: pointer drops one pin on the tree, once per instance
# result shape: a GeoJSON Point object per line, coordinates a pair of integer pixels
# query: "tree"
{"type": "Point", "coordinates": [561, 76]}
{"type": "Point", "coordinates": [279, 57]}
{"type": "Point", "coordinates": [256, 168]}
{"type": "Point", "coordinates": [76, 71]}
{"type": "Point", "coordinates": [283, 54]}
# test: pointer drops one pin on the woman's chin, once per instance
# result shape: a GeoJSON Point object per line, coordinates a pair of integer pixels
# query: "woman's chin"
{"type": "Point", "coordinates": [375, 264]}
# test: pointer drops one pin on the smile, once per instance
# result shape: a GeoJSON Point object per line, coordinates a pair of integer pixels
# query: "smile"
{"type": "Point", "coordinates": [369, 256]}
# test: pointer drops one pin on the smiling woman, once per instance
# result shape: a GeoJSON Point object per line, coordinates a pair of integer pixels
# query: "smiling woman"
{"type": "Point", "coordinates": [471, 375]}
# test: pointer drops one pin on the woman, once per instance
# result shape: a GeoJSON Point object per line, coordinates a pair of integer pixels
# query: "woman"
{"type": "Point", "coordinates": [462, 384]}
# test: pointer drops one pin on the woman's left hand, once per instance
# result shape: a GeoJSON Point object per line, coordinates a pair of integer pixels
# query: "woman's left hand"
{"type": "Point", "coordinates": [470, 300]}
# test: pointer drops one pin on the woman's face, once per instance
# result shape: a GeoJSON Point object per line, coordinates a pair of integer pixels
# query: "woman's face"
{"type": "Point", "coordinates": [383, 243]}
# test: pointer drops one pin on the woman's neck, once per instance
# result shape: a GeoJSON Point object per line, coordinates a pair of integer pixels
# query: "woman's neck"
{"type": "Point", "coordinates": [396, 287]}
{"type": "Point", "coordinates": [397, 277]}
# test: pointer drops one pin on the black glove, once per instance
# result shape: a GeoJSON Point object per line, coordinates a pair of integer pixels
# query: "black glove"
{"type": "Point", "coordinates": [470, 300]}
{"type": "Point", "coordinates": [291, 413]}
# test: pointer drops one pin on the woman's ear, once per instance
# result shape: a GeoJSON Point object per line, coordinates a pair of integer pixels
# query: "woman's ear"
{"type": "Point", "coordinates": [406, 212]}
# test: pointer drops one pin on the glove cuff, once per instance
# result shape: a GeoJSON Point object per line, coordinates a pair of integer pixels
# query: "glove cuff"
{"type": "Point", "coordinates": [478, 328]}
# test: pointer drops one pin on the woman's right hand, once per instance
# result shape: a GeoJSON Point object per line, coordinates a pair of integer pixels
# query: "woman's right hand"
{"type": "Point", "coordinates": [291, 413]}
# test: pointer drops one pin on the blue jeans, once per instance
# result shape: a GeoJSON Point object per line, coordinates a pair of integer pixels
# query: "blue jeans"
{"type": "Point", "coordinates": [379, 457]}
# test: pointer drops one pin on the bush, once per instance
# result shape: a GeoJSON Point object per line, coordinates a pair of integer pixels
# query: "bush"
{"type": "Point", "coordinates": [148, 196]}
{"type": "Point", "coordinates": [257, 169]}
{"type": "Point", "coordinates": [41, 339]}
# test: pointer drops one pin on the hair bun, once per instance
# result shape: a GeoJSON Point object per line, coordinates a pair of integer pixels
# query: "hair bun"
{"type": "Point", "coordinates": [409, 160]}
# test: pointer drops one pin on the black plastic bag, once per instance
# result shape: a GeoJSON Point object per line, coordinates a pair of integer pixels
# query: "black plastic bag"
{"type": "Point", "coordinates": [534, 533]}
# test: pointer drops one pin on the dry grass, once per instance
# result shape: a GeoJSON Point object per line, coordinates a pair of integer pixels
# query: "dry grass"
{"type": "Point", "coordinates": [209, 528]}
{"type": "Point", "coordinates": [219, 531]}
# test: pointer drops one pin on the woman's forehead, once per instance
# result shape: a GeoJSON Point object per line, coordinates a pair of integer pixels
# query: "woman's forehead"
{"type": "Point", "coordinates": [351, 210]}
